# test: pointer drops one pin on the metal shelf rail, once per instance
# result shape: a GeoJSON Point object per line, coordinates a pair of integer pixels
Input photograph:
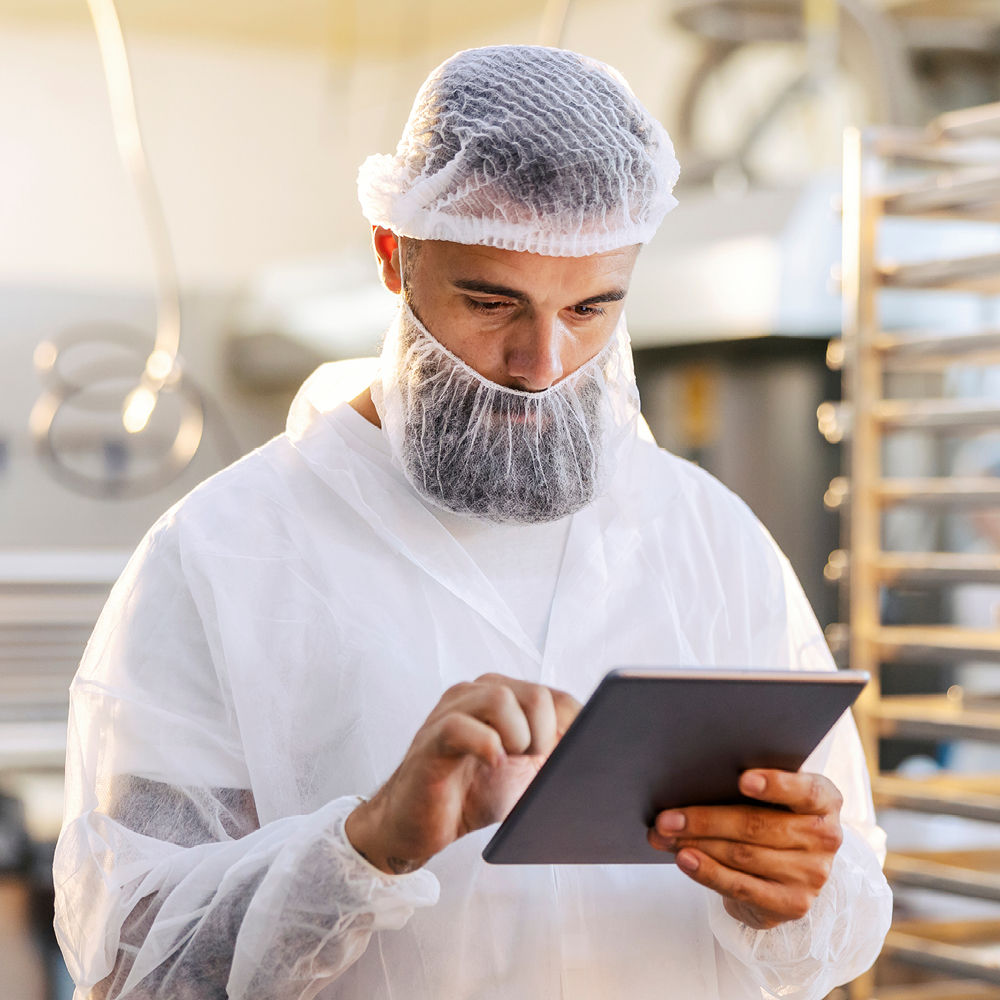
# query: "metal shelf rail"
{"type": "Point", "coordinates": [949, 171]}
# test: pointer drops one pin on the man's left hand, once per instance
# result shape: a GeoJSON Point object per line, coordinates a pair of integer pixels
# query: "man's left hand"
{"type": "Point", "coordinates": [770, 865]}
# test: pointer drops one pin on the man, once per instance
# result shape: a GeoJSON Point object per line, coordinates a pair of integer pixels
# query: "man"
{"type": "Point", "coordinates": [407, 596]}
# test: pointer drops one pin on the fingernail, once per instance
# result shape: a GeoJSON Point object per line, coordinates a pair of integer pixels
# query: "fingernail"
{"type": "Point", "coordinates": [687, 861]}
{"type": "Point", "coordinates": [668, 844]}
{"type": "Point", "coordinates": [753, 784]}
{"type": "Point", "coordinates": [670, 822]}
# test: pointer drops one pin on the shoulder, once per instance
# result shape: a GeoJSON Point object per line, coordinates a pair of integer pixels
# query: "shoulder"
{"type": "Point", "coordinates": [249, 501]}
{"type": "Point", "coordinates": [218, 506]}
{"type": "Point", "coordinates": [264, 467]}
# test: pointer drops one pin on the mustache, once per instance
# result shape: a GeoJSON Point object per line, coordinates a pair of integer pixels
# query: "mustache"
{"type": "Point", "coordinates": [450, 406]}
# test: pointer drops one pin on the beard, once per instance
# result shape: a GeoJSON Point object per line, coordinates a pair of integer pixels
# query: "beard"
{"type": "Point", "coordinates": [482, 450]}
{"type": "Point", "coordinates": [507, 459]}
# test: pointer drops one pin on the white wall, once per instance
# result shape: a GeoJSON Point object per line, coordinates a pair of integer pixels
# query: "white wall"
{"type": "Point", "coordinates": [255, 150]}
{"type": "Point", "coordinates": [241, 143]}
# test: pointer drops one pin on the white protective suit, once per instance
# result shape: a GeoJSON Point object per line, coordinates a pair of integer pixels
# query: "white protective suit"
{"type": "Point", "coordinates": [267, 657]}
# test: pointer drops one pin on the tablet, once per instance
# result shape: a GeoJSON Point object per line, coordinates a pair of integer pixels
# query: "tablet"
{"type": "Point", "coordinates": [649, 740]}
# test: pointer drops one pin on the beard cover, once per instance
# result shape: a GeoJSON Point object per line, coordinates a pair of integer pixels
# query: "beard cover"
{"type": "Point", "coordinates": [482, 450]}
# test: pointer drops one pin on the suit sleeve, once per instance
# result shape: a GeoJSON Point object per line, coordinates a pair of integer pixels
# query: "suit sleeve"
{"type": "Point", "coordinates": [166, 883]}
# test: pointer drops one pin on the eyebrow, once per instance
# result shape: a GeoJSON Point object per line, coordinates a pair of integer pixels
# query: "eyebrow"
{"type": "Point", "coordinates": [488, 288]}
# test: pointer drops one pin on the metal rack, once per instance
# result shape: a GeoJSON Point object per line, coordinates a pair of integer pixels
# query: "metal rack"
{"type": "Point", "coordinates": [949, 171]}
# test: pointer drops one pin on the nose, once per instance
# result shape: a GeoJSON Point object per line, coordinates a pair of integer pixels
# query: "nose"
{"type": "Point", "coordinates": [534, 358]}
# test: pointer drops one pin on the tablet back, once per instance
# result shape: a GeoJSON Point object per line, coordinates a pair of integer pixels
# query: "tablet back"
{"type": "Point", "coordinates": [649, 740]}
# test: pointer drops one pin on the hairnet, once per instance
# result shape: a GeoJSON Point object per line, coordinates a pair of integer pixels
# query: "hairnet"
{"type": "Point", "coordinates": [525, 148]}
{"type": "Point", "coordinates": [504, 455]}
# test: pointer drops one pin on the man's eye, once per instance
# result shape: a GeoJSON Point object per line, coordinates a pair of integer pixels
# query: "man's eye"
{"type": "Point", "coordinates": [487, 307]}
{"type": "Point", "coordinates": [588, 311]}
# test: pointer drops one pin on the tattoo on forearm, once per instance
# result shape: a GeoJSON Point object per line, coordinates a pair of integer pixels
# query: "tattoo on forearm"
{"type": "Point", "coordinates": [398, 866]}
{"type": "Point", "coordinates": [401, 867]}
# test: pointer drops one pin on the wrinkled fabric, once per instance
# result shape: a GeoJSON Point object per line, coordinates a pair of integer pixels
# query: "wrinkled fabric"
{"type": "Point", "coordinates": [267, 657]}
{"type": "Point", "coordinates": [809, 956]}
{"type": "Point", "coordinates": [525, 148]}
{"type": "Point", "coordinates": [489, 452]}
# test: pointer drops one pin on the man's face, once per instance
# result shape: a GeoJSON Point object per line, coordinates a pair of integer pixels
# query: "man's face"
{"type": "Point", "coordinates": [527, 435]}
{"type": "Point", "coordinates": [521, 320]}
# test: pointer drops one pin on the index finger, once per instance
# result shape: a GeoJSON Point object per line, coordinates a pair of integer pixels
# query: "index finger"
{"type": "Point", "coordinates": [806, 794]}
{"type": "Point", "coordinates": [745, 824]}
{"type": "Point", "coordinates": [538, 703]}
{"type": "Point", "coordinates": [539, 710]}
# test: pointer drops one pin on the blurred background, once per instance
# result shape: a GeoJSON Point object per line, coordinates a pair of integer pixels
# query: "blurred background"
{"type": "Point", "coordinates": [255, 116]}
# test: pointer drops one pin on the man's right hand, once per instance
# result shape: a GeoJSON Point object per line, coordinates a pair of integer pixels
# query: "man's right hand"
{"type": "Point", "coordinates": [467, 766]}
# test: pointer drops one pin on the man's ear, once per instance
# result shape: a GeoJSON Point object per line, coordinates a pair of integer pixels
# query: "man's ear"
{"type": "Point", "coordinates": [386, 248]}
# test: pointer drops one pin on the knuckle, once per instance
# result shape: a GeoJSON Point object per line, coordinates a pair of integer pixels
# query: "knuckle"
{"type": "Point", "coordinates": [743, 854]}
{"type": "Point", "coordinates": [742, 891]}
{"type": "Point", "coordinates": [781, 782]}
{"type": "Point", "coordinates": [450, 729]}
{"type": "Point", "coordinates": [829, 836]}
{"type": "Point", "coordinates": [799, 905]}
{"type": "Point", "coordinates": [753, 824]}
{"type": "Point", "coordinates": [815, 793]}
{"type": "Point", "coordinates": [820, 873]}
{"type": "Point", "coordinates": [537, 696]}
{"type": "Point", "coordinates": [499, 697]}
{"type": "Point", "coordinates": [694, 821]}
{"type": "Point", "coordinates": [451, 721]}
{"type": "Point", "coordinates": [490, 678]}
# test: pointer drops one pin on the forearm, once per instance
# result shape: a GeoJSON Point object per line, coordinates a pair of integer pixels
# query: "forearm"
{"type": "Point", "coordinates": [200, 970]}
{"type": "Point", "coordinates": [837, 940]}
{"type": "Point", "coordinates": [272, 915]}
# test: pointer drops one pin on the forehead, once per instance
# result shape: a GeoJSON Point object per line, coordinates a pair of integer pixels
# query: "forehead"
{"type": "Point", "coordinates": [536, 275]}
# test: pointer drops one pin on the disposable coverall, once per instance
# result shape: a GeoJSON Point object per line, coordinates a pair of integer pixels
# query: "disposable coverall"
{"type": "Point", "coordinates": [268, 655]}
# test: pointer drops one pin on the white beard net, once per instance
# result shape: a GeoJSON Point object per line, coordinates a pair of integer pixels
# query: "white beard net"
{"type": "Point", "coordinates": [482, 450]}
{"type": "Point", "coordinates": [525, 148]}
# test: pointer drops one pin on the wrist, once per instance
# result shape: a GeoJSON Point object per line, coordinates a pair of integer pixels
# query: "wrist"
{"type": "Point", "coordinates": [361, 828]}
{"type": "Point", "coordinates": [364, 828]}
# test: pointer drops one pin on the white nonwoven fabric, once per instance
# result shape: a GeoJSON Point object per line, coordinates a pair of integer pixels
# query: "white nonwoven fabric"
{"type": "Point", "coordinates": [521, 561]}
{"type": "Point", "coordinates": [482, 450]}
{"type": "Point", "coordinates": [525, 148]}
{"type": "Point", "coordinates": [268, 655]}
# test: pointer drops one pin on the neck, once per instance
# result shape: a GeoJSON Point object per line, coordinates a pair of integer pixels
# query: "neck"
{"type": "Point", "coordinates": [364, 405]}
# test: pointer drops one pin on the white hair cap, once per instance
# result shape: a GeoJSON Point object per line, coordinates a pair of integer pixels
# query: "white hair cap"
{"type": "Point", "coordinates": [525, 148]}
